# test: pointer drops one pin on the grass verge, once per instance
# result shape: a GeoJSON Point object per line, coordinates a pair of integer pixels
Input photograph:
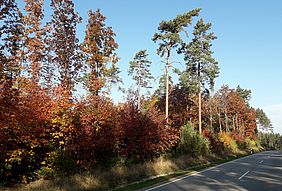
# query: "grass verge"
{"type": "Point", "coordinates": [126, 178]}
{"type": "Point", "coordinates": [178, 173]}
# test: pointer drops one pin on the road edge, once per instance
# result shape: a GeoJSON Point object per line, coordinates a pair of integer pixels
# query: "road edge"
{"type": "Point", "coordinates": [159, 181]}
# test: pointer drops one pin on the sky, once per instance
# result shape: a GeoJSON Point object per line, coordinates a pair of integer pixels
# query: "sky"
{"type": "Point", "coordinates": [248, 47]}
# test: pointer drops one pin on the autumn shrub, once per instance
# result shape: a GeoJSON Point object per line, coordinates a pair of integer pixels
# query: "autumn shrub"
{"type": "Point", "coordinates": [228, 142]}
{"type": "Point", "coordinates": [96, 137]}
{"type": "Point", "coordinates": [252, 145]}
{"type": "Point", "coordinates": [239, 139]}
{"type": "Point", "coordinates": [191, 142]}
{"type": "Point", "coordinates": [23, 135]}
{"type": "Point", "coordinates": [144, 135]}
{"type": "Point", "coordinates": [216, 146]}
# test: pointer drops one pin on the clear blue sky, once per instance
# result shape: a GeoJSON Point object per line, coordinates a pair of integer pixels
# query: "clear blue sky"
{"type": "Point", "coordinates": [248, 48]}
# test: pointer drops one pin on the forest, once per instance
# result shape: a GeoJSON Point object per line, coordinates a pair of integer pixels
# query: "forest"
{"type": "Point", "coordinates": [46, 130]}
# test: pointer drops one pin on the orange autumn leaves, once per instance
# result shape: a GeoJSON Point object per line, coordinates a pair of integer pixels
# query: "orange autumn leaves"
{"type": "Point", "coordinates": [42, 120]}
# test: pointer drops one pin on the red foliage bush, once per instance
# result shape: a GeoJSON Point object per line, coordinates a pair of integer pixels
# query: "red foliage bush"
{"type": "Point", "coordinates": [215, 144]}
{"type": "Point", "coordinates": [237, 137]}
{"type": "Point", "coordinates": [23, 135]}
{"type": "Point", "coordinates": [144, 135]}
{"type": "Point", "coordinates": [97, 136]}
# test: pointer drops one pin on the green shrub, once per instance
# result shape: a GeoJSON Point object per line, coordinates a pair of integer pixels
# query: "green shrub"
{"type": "Point", "coordinates": [252, 145]}
{"type": "Point", "coordinates": [59, 161]}
{"type": "Point", "coordinates": [191, 142]}
{"type": "Point", "coordinates": [45, 172]}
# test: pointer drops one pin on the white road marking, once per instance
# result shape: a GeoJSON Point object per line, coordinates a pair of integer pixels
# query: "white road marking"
{"type": "Point", "coordinates": [243, 175]}
{"type": "Point", "coordinates": [193, 174]}
{"type": "Point", "coordinates": [261, 162]}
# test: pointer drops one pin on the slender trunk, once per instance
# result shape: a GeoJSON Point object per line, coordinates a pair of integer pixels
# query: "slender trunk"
{"type": "Point", "coordinates": [219, 120]}
{"type": "Point", "coordinates": [200, 100]}
{"type": "Point", "coordinates": [226, 121]}
{"type": "Point", "coordinates": [138, 91]}
{"type": "Point", "coordinates": [237, 123]}
{"type": "Point", "coordinates": [187, 111]}
{"type": "Point", "coordinates": [167, 83]}
{"type": "Point", "coordinates": [211, 118]}
{"type": "Point", "coordinates": [240, 127]}
{"type": "Point", "coordinates": [200, 112]}
{"type": "Point", "coordinates": [244, 131]}
{"type": "Point", "coordinates": [97, 77]}
{"type": "Point", "coordinates": [233, 123]}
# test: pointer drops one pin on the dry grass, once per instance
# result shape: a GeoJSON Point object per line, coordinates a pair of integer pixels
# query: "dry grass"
{"type": "Point", "coordinates": [116, 176]}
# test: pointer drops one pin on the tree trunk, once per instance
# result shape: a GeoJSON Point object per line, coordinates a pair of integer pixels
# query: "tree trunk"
{"type": "Point", "coordinates": [237, 122]}
{"type": "Point", "coordinates": [211, 119]}
{"type": "Point", "coordinates": [233, 123]}
{"type": "Point", "coordinates": [200, 99]}
{"type": "Point", "coordinates": [200, 112]}
{"type": "Point", "coordinates": [226, 121]}
{"type": "Point", "coordinates": [219, 120]}
{"type": "Point", "coordinates": [167, 83]}
{"type": "Point", "coordinates": [138, 91]}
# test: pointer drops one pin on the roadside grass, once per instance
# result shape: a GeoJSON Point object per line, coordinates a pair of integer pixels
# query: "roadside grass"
{"type": "Point", "coordinates": [131, 177]}
{"type": "Point", "coordinates": [177, 174]}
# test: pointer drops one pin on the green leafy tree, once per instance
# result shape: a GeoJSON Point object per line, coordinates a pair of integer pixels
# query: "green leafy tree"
{"type": "Point", "coordinates": [139, 69]}
{"type": "Point", "coordinates": [169, 38]}
{"type": "Point", "coordinates": [200, 64]}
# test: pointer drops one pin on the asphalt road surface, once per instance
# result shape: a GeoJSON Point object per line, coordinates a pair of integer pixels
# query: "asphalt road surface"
{"type": "Point", "coordinates": [258, 172]}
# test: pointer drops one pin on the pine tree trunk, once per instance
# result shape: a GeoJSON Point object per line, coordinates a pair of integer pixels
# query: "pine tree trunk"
{"type": "Point", "coordinates": [211, 119]}
{"type": "Point", "coordinates": [200, 112]}
{"type": "Point", "coordinates": [167, 83]}
{"type": "Point", "coordinates": [200, 100]}
{"type": "Point", "coordinates": [139, 96]}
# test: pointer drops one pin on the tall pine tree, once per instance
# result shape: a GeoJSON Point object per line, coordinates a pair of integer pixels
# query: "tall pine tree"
{"type": "Point", "coordinates": [169, 38]}
{"type": "Point", "coordinates": [200, 64]}
{"type": "Point", "coordinates": [139, 69]}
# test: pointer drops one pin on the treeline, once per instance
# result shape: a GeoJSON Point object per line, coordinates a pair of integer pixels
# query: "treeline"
{"type": "Point", "coordinates": [271, 141]}
{"type": "Point", "coordinates": [45, 130]}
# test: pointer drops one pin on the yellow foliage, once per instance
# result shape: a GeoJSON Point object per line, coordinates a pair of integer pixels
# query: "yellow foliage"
{"type": "Point", "coordinates": [228, 142]}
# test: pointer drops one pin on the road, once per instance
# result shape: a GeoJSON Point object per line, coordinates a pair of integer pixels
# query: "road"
{"type": "Point", "coordinates": [258, 172]}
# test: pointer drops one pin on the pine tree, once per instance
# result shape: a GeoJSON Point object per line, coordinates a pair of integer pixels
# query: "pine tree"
{"type": "Point", "coordinates": [263, 121]}
{"type": "Point", "coordinates": [199, 61]}
{"type": "Point", "coordinates": [169, 38]}
{"type": "Point", "coordinates": [244, 93]}
{"type": "Point", "coordinates": [139, 69]}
